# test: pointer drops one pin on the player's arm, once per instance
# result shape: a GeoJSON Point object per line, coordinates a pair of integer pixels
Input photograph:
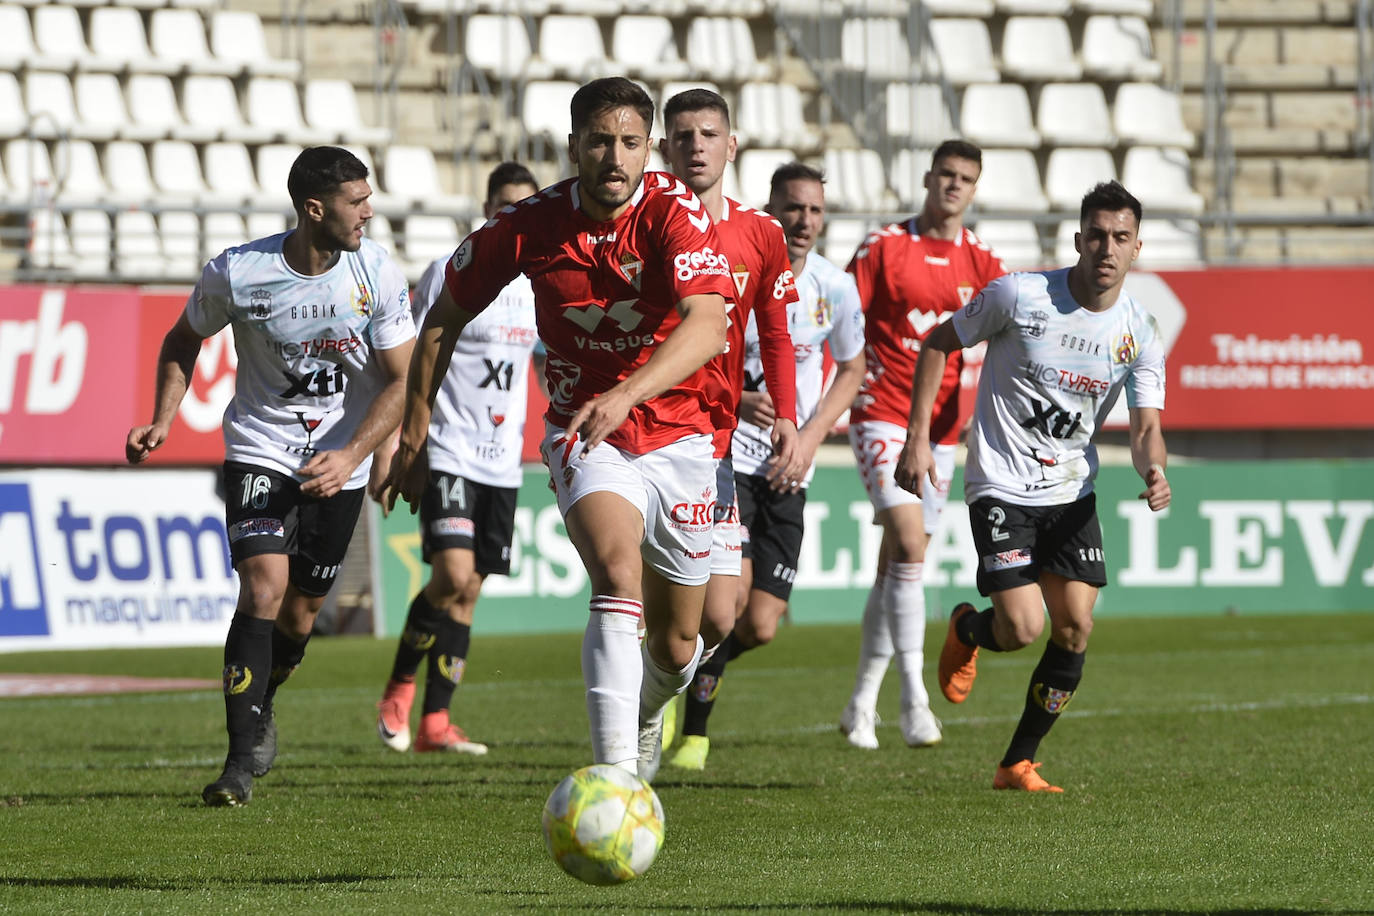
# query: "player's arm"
{"type": "Point", "coordinates": [699, 336]}
{"type": "Point", "coordinates": [849, 375]}
{"type": "Point", "coordinates": [327, 472]}
{"type": "Point", "coordinates": [175, 362]}
{"type": "Point", "coordinates": [786, 466]}
{"type": "Point", "coordinates": [916, 462]}
{"type": "Point", "coordinates": [1149, 455]}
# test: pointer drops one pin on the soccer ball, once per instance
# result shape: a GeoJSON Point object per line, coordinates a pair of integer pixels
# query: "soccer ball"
{"type": "Point", "coordinates": [603, 825]}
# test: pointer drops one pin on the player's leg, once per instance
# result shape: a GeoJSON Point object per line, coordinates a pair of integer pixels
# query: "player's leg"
{"type": "Point", "coordinates": [718, 614]}
{"type": "Point", "coordinates": [1073, 570]}
{"type": "Point", "coordinates": [905, 605]}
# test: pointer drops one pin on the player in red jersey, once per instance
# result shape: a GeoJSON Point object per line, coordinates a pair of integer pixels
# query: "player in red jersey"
{"type": "Point", "coordinates": [630, 291]}
{"type": "Point", "coordinates": [911, 276]}
{"type": "Point", "coordinates": [697, 145]}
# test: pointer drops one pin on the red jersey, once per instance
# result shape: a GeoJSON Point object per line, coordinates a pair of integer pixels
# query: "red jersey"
{"type": "Point", "coordinates": [908, 284]}
{"type": "Point", "coordinates": [604, 295]}
{"type": "Point", "coordinates": [764, 285]}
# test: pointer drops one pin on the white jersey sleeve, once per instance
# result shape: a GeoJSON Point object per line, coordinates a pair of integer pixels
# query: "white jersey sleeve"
{"type": "Point", "coordinates": [392, 321]}
{"type": "Point", "coordinates": [209, 307]}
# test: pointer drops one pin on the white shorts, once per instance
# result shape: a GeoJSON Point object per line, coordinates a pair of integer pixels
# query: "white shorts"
{"type": "Point", "coordinates": [673, 488]}
{"type": "Point", "coordinates": [726, 551]}
{"type": "Point", "coordinates": [876, 446]}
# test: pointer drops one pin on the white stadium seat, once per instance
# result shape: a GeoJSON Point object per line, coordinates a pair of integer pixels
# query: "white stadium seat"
{"type": "Point", "coordinates": [1161, 177]}
{"type": "Point", "coordinates": [100, 104]}
{"type": "Point", "coordinates": [332, 105]}
{"type": "Point", "coordinates": [919, 111]}
{"type": "Point", "coordinates": [153, 106]}
{"type": "Point", "coordinates": [116, 34]}
{"type": "Point", "coordinates": [17, 51]}
{"type": "Point", "coordinates": [176, 171]}
{"type": "Point", "coordinates": [261, 223]}
{"type": "Point", "coordinates": [964, 50]}
{"type": "Point", "coordinates": [92, 243]}
{"type": "Point", "coordinates": [428, 237]}
{"type": "Point", "coordinates": [237, 36]}
{"type": "Point", "coordinates": [229, 174]}
{"type": "Point", "coordinates": [644, 46]}
{"type": "Point", "coordinates": [1150, 115]}
{"type": "Point", "coordinates": [273, 163]}
{"type": "Point", "coordinates": [500, 45]}
{"type": "Point", "coordinates": [58, 36]}
{"type": "Point", "coordinates": [544, 109]}
{"type": "Point", "coordinates": [52, 108]}
{"type": "Point", "coordinates": [1119, 48]}
{"type": "Point", "coordinates": [77, 171]}
{"type": "Point", "coordinates": [138, 248]}
{"type": "Point", "coordinates": [1038, 48]}
{"type": "Point", "coordinates": [13, 116]}
{"type": "Point", "coordinates": [1116, 7]}
{"type": "Point", "coordinates": [273, 104]}
{"type": "Point", "coordinates": [722, 48]}
{"type": "Point", "coordinates": [843, 236]}
{"type": "Point", "coordinates": [1170, 243]}
{"type": "Point", "coordinates": [1034, 7]}
{"type": "Point", "coordinates": [1071, 172]}
{"type": "Point", "coordinates": [223, 230]}
{"type": "Point", "coordinates": [1074, 114]}
{"type": "Point", "coordinates": [909, 167]}
{"type": "Point", "coordinates": [1010, 181]}
{"type": "Point", "coordinates": [754, 170]}
{"type": "Point", "coordinates": [410, 172]}
{"type": "Point", "coordinates": [1064, 251]}
{"type": "Point", "coordinates": [212, 107]}
{"type": "Point", "coordinates": [179, 35]}
{"type": "Point", "coordinates": [49, 246]}
{"type": "Point", "coordinates": [998, 114]}
{"type": "Point", "coordinates": [855, 180]}
{"type": "Point", "coordinates": [1015, 241]}
{"type": "Point", "coordinates": [770, 114]}
{"type": "Point", "coordinates": [980, 9]}
{"type": "Point", "coordinates": [29, 168]}
{"type": "Point", "coordinates": [573, 47]}
{"type": "Point", "coordinates": [126, 172]}
{"type": "Point", "coordinates": [179, 231]}
{"type": "Point", "coordinates": [877, 47]}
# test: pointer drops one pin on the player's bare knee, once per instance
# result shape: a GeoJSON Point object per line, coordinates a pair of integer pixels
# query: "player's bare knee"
{"type": "Point", "coordinates": [1020, 632]}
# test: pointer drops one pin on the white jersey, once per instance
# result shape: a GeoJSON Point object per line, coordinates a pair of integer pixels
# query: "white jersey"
{"type": "Point", "coordinates": [1052, 372]}
{"type": "Point", "coordinates": [477, 428]}
{"type": "Point", "coordinates": [827, 310]}
{"type": "Point", "coordinates": [306, 373]}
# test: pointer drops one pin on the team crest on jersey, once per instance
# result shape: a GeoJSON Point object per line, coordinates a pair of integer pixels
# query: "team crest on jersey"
{"type": "Point", "coordinates": [822, 313]}
{"type": "Point", "coordinates": [965, 291]}
{"type": "Point", "coordinates": [1035, 324]}
{"type": "Point", "coordinates": [1125, 349]}
{"type": "Point", "coordinates": [361, 301]}
{"type": "Point", "coordinates": [260, 304]}
{"type": "Point", "coordinates": [740, 273]}
{"type": "Point", "coordinates": [632, 267]}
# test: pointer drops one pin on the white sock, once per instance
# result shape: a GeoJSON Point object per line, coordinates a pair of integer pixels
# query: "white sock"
{"type": "Point", "coordinates": [660, 685]}
{"type": "Point", "coordinates": [612, 672]}
{"type": "Point", "coordinates": [906, 602]}
{"type": "Point", "coordinates": [875, 650]}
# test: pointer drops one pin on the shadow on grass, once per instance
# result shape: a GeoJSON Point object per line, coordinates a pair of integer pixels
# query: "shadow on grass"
{"type": "Point", "coordinates": [140, 883]}
{"type": "Point", "coordinates": [943, 908]}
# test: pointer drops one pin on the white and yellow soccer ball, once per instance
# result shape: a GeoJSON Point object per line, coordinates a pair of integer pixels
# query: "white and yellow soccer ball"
{"type": "Point", "coordinates": [603, 825]}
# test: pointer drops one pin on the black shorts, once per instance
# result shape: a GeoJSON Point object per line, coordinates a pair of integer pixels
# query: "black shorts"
{"type": "Point", "coordinates": [771, 525]}
{"type": "Point", "coordinates": [457, 514]}
{"type": "Point", "coordinates": [1016, 543]}
{"type": "Point", "coordinates": [265, 512]}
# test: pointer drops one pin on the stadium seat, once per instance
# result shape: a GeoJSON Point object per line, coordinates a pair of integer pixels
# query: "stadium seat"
{"type": "Point", "coordinates": [262, 223]}
{"type": "Point", "coordinates": [998, 114]}
{"type": "Point", "coordinates": [29, 168]}
{"type": "Point", "coordinates": [379, 230]}
{"type": "Point", "coordinates": [644, 46]}
{"type": "Point", "coordinates": [544, 109]}
{"type": "Point", "coordinates": [236, 36]}
{"type": "Point", "coordinates": [126, 172]}
{"type": "Point", "coordinates": [76, 169]}
{"type": "Point", "coordinates": [179, 232]}
{"type": "Point", "coordinates": [592, 7]}
{"type": "Point", "coordinates": [274, 104]}
{"type": "Point", "coordinates": [1161, 177]}
{"type": "Point", "coordinates": [92, 244]}
{"type": "Point", "coordinates": [1038, 48]}
{"type": "Point", "coordinates": [1070, 172]}
{"type": "Point", "coordinates": [754, 170]}
{"type": "Point", "coordinates": [273, 161]}
{"type": "Point", "coordinates": [1150, 115]}
{"type": "Point", "coordinates": [572, 46]}
{"type": "Point", "coordinates": [1034, 7]}
{"type": "Point", "coordinates": [1015, 241]}
{"type": "Point", "coordinates": [855, 180]}
{"type": "Point", "coordinates": [500, 45]}
{"type": "Point", "coordinates": [722, 48]}
{"type": "Point", "coordinates": [58, 36]}
{"type": "Point", "coordinates": [116, 33]}
{"type": "Point", "coordinates": [176, 171]}
{"type": "Point", "coordinates": [428, 237]}
{"type": "Point", "coordinates": [980, 9]}
{"type": "Point", "coordinates": [138, 249]}
{"type": "Point", "coordinates": [229, 175]}
{"type": "Point", "coordinates": [179, 35]}
{"type": "Point", "coordinates": [13, 116]}
{"type": "Point", "coordinates": [770, 114]}
{"type": "Point", "coordinates": [964, 51]}
{"type": "Point", "coordinates": [153, 107]}
{"type": "Point", "coordinates": [49, 246]}
{"type": "Point", "coordinates": [909, 167]}
{"type": "Point", "coordinates": [1064, 252]}
{"type": "Point", "coordinates": [1170, 243]}
{"type": "Point", "coordinates": [919, 111]}
{"type": "Point", "coordinates": [52, 108]}
{"type": "Point", "coordinates": [212, 109]}
{"type": "Point", "coordinates": [332, 105]}
{"type": "Point", "coordinates": [843, 236]}
{"type": "Point", "coordinates": [1074, 114]}
{"type": "Point", "coordinates": [18, 52]}
{"type": "Point", "coordinates": [876, 47]}
{"type": "Point", "coordinates": [100, 104]}
{"type": "Point", "coordinates": [410, 173]}
{"type": "Point", "coordinates": [1119, 48]}
{"type": "Point", "coordinates": [223, 230]}
{"type": "Point", "coordinates": [1144, 8]}
{"type": "Point", "coordinates": [1010, 182]}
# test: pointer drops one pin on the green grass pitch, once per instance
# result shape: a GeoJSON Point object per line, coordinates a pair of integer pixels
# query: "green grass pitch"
{"type": "Point", "coordinates": [1219, 765]}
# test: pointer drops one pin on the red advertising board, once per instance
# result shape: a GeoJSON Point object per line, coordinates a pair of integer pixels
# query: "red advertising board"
{"type": "Point", "coordinates": [1248, 349]}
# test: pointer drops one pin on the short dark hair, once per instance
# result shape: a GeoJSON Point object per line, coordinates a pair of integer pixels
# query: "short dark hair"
{"type": "Point", "coordinates": [606, 93]}
{"type": "Point", "coordinates": [696, 100]}
{"type": "Point", "coordinates": [960, 148]}
{"type": "Point", "coordinates": [1110, 196]}
{"type": "Point", "coordinates": [508, 173]}
{"type": "Point", "coordinates": [793, 171]}
{"type": "Point", "coordinates": [319, 171]}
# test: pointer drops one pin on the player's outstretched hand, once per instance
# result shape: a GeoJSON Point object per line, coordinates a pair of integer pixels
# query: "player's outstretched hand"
{"type": "Point", "coordinates": [406, 478]}
{"type": "Point", "coordinates": [142, 442]}
{"type": "Point", "coordinates": [1157, 492]}
{"type": "Point", "coordinates": [787, 467]}
{"type": "Point", "coordinates": [598, 418]}
{"type": "Point", "coordinates": [327, 473]}
{"type": "Point", "coordinates": [756, 407]}
{"type": "Point", "coordinates": [916, 465]}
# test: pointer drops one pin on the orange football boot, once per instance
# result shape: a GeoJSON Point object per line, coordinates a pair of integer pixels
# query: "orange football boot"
{"type": "Point", "coordinates": [958, 662]}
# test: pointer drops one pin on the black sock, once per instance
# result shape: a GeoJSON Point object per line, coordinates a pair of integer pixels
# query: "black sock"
{"type": "Point", "coordinates": [247, 669]}
{"type": "Point", "coordinates": [976, 630]}
{"type": "Point", "coordinates": [286, 658]}
{"type": "Point", "coordinates": [421, 630]}
{"type": "Point", "coordinates": [701, 693]}
{"type": "Point", "coordinates": [1052, 685]}
{"type": "Point", "coordinates": [447, 658]}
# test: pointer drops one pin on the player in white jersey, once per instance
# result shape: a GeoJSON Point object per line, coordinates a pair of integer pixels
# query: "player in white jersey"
{"type": "Point", "coordinates": [1062, 345]}
{"type": "Point", "coordinates": [323, 332]}
{"type": "Point", "coordinates": [467, 511]}
{"type": "Point", "coordinates": [828, 312]}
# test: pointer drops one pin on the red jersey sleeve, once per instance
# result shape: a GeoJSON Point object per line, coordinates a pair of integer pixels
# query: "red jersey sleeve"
{"type": "Point", "coordinates": [691, 252]}
{"type": "Point", "coordinates": [864, 267]}
{"type": "Point", "coordinates": [771, 299]}
{"type": "Point", "coordinates": [484, 263]}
